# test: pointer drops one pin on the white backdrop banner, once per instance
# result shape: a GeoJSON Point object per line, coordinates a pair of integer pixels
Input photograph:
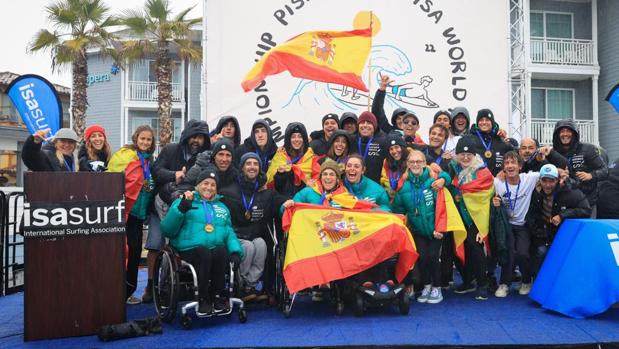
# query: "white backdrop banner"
{"type": "Point", "coordinates": [439, 54]}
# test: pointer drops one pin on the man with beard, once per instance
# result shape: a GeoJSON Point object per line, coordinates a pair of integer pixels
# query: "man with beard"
{"type": "Point", "coordinates": [260, 142]}
{"type": "Point", "coordinates": [227, 128]}
{"type": "Point", "coordinates": [221, 157]}
{"type": "Point", "coordinates": [320, 139]}
{"type": "Point", "coordinates": [532, 156]}
{"type": "Point", "coordinates": [168, 172]}
{"type": "Point", "coordinates": [490, 144]}
{"type": "Point", "coordinates": [253, 209]}
{"type": "Point", "coordinates": [584, 162]}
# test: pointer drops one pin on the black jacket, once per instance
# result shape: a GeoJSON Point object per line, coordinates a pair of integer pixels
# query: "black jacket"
{"type": "Point", "coordinates": [554, 158]}
{"type": "Point", "coordinates": [264, 208]}
{"type": "Point", "coordinates": [378, 110]}
{"type": "Point", "coordinates": [608, 205]}
{"type": "Point", "coordinates": [497, 147]}
{"type": "Point", "coordinates": [581, 157]}
{"type": "Point", "coordinates": [86, 164]}
{"type": "Point", "coordinates": [375, 155]}
{"type": "Point", "coordinates": [250, 145]}
{"type": "Point", "coordinates": [173, 157]}
{"type": "Point", "coordinates": [38, 159]}
{"type": "Point", "coordinates": [319, 144]}
{"type": "Point", "coordinates": [284, 182]}
{"type": "Point", "coordinates": [237, 130]}
{"type": "Point", "coordinates": [567, 202]}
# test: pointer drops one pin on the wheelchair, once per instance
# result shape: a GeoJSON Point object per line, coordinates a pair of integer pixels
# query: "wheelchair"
{"type": "Point", "coordinates": [175, 281]}
{"type": "Point", "coordinates": [285, 300]}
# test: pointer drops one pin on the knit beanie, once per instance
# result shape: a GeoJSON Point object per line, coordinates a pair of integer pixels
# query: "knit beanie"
{"type": "Point", "coordinates": [466, 144]}
{"type": "Point", "coordinates": [250, 155]}
{"type": "Point", "coordinates": [222, 144]}
{"type": "Point", "coordinates": [332, 117]}
{"type": "Point", "coordinates": [369, 117]}
{"type": "Point", "coordinates": [92, 129]}
{"type": "Point", "coordinates": [330, 164]}
{"type": "Point", "coordinates": [209, 171]}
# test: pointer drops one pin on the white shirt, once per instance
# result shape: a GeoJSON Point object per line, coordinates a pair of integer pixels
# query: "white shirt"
{"type": "Point", "coordinates": [519, 196]}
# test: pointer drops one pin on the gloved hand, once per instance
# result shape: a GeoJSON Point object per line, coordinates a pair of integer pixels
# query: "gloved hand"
{"type": "Point", "coordinates": [186, 203]}
{"type": "Point", "coordinates": [235, 259]}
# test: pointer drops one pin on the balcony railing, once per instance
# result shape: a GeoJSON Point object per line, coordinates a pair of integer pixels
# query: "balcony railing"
{"type": "Point", "coordinates": [147, 91]}
{"type": "Point", "coordinates": [562, 51]}
{"type": "Point", "coordinates": [542, 130]}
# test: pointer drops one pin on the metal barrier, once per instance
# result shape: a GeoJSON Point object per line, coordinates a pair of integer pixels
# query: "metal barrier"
{"type": "Point", "coordinates": [12, 242]}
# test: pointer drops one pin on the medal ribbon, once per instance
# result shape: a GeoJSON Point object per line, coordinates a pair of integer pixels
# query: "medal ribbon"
{"type": "Point", "coordinates": [145, 167]}
{"type": "Point", "coordinates": [394, 178]}
{"type": "Point", "coordinates": [208, 215]}
{"type": "Point", "coordinates": [416, 195]}
{"type": "Point", "coordinates": [367, 147]}
{"type": "Point", "coordinates": [251, 201]}
{"type": "Point", "coordinates": [71, 168]}
{"type": "Point", "coordinates": [486, 146]}
{"type": "Point", "coordinates": [509, 196]}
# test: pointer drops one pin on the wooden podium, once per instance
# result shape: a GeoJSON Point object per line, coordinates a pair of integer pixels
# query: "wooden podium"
{"type": "Point", "coordinates": [74, 273]}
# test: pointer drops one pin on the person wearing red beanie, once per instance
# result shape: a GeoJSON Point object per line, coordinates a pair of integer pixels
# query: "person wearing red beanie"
{"type": "Point", "coordinates": [95, 151]}
{"type": "Point", "coordinates": [369, 144]}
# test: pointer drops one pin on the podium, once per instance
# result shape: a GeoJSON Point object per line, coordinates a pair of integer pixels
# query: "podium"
{"type": "Point", "coordinates": [74, 236]}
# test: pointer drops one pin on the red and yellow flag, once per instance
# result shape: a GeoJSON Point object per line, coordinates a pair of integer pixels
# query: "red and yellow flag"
{"type": "Point", "coordinates": [329, 56]}
{"type": "Point", "coordinates": [326, 244]}
{"type": "Point", "coordinates": [343, 198]}
{"type": "Point", "coordinates": [126, 160]}
{"type": "Point", "coordinates": [386, 174]}
{"type": "Point", "coordinates": [477, 195]}
{"type": "Point", "coordinates": [447, 218]}
{"type": "Point", "coordinates": [303, 169]}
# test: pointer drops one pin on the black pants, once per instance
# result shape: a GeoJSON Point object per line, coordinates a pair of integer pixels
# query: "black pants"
{"type": "Point", "coordinates": [429, 265]}
{"type": "Point", "coordinates": [539, 248]}
{"type": "Point", "coordinates": [475, 264]}
{"type": "Point", "coordinates": [518, 251]}
{"type": "Point", "coordinates": [448, 259]}
{"type": "Point", "coordinates": [133, 231]}
{"type": "Point", "coordinates": [210, 265]}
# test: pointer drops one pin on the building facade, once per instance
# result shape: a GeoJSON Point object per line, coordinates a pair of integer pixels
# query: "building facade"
{"type": "Point", "coordinates": [13, 131]}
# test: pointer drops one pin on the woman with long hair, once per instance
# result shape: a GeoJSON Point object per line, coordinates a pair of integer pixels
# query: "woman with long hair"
{"type": "Point", "coordinates": [135, 160]}
{"type": "Point", "coordinates": [394, 171]}
{"type": "Point", "coordinates": [95, 152]}
{"type": "Point", "coordinates": [60, 155]}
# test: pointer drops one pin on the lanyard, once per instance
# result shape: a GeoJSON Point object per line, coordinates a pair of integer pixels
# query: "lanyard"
{"type": "Point", "coordinates": [323, 197]}
{"type": "Point", "coordinates": [145, 167]}
{"type": "Point", "coordinates": [416, 195]}
{"type": "Point", "coordinates": [509, 195]}
{"type": "Point", "coordinates": [486, 146]}
{"type": "Point", "coordinates": [71, 167]}
{"type": "Point", "coordinates": [394, 178]}
{"type": "Point", "coordinates": [294, 161]}
{"type": "Point", "coordinates": [251, 201]}
{"type": "Point", "coordinates": [367, 147]}
{"type": "Point", "coordinates": [265, 159]}
{"type": "Point", "coordinates": [208, 215]}
{"type": "Point", "coordinates": [349, 185]}
{"type": "Point", "coordinates": [438, 159]}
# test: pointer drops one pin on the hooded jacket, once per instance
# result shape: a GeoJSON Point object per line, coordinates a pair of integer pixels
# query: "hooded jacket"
{"type": "Point", "coordinates": [608, 205]}
{"type": "Point", "coordinates": [496, 144]}
{"type": "Point", "coordinates": [319, 144]}
{"type": "Point", "coordinates": [348, 116]}
{"type": "Point", "coordinates": [375, 153]}
{"type": "Point", "coordinates": [581, 157]}
{"type": "Point", "coordinates": [349, 150]}
{"type": "Point", "coordinates": [250, 145]}
{"type": "Point", "coordinates": [87, 164]}
{"type": "Point", "coordinates": [173, 157]}
{"type": "Point", "coordinates": [237, 130]}
{"type": "Point", "coordinates": [454, 112]}
{"type": "Point", "coordinates": [264, 207]}
{"type": "Point", "coordinates": [284, 182]}
{"type": "Point", "coordinates": [417, 200]}
{"type": "Point", "coordinates": [43, 158]}
{"type": "Point", "coordinates": [186, 230]}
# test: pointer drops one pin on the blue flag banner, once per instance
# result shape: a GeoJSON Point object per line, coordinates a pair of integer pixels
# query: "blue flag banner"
{"type": "Point", "coordinates": [37, 102]}
{"type": "Point", "coordinates": [613, 97]}
{"type": "Point", "coordinates": [580, 275]}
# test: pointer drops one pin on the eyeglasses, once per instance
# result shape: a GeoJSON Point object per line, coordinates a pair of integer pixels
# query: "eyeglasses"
{"type": "Point", "coordinates": [415, 162]}
{"type": "Point", "coordinates": [466, 155]}
{"type": "Point", "coordinates": [410, 122]}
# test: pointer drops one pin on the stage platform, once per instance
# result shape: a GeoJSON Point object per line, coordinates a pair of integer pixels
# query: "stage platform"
{"type": "Point", "coordinates": [458, 321]}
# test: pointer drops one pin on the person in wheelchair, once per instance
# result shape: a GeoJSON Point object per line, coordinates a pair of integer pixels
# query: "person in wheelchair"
{"type": "Point", "coordinates": [199, 227]}
{"type": "Point", "coordinates": [253, 209]}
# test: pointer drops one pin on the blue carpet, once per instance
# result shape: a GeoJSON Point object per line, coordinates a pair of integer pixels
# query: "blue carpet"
{"type": "Point", "coordinates": [458, 320]}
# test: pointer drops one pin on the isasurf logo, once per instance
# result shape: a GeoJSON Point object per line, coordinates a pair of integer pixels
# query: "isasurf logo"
{"type": "Point", "coordinates": [614, 246]}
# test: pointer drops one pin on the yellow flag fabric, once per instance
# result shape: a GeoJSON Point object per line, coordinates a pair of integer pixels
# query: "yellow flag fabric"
{"type": "Point", "coordinates": [447, 218]}
{"type": "Point", "coordinates": [303, 168]}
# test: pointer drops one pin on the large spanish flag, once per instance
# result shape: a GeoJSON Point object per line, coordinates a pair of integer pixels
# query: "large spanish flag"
{"type": "Point", "coordinates": [447, 218]}
{"type": "Point", "coordinates": [326, 244]}
{"type": "Point", "coordinates": [477, 195]}
{"type": "Point", "coordinates": [126, 160]}
{"type": "Point", "coordinates": [304, 168]}
{"type": "Point", "coordinates": [330, 56]}
{"type": "Point", "coordinates": [342, 197]}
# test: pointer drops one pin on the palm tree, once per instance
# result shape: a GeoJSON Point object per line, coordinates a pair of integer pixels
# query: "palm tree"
{"type": "Point", "coordinates": [159, 33]}
{"type": "Point", "coordinates": [78, 25]}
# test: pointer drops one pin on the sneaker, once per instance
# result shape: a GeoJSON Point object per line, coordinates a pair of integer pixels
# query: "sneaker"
{"type": "Point", "coordinates": [221, 305]}
{"type": "Point", "coordinates": [249, 294]}
{"type": "Point", "coordinates": [464, 288]}
{"type": "Point", "coordinates": [317, 296]}
{"type": "Point", "coordinates": [436, 296]}
{"type": "Point", "coordinates": [205, 308]}
{"type": "Point", "coordinates": [481, 294]}
{"type": "Point", "coordinates": [524, 289]}
{"type": "Point", "coordinates": [425, 294]}
{"type": "Point", "coordinates": [502, 291]}
{"type": "Point", "coordinates": [133, 300]}
{"type": "Point", "coordinates": [147, 297]}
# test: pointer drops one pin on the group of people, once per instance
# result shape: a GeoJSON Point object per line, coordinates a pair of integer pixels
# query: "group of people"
{"type": "Point", "coordinates": [218, 200]}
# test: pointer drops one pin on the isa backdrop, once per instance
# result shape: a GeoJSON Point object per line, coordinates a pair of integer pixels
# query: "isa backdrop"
{"type": "Point", "coordinates": [443, 54]}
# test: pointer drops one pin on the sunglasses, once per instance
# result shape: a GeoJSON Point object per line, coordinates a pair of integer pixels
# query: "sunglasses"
{"type": "Point", "coordinates": [410, 122]}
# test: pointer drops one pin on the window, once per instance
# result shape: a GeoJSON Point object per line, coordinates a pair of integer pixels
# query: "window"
{"type": "Point", "coordinates": [146, 70]}
{"type": "Point", "coordinates": [552, 104]}
{"type": "Point", "coordinates": [551, 25]}
{"type": "Point", "coordinates": [154, 123]}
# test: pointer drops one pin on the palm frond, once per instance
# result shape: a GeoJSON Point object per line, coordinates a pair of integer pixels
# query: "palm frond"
{"type": "Point", "coordinates": [159, 9]}
{"type": "Point", "coordinates": [43, 40]}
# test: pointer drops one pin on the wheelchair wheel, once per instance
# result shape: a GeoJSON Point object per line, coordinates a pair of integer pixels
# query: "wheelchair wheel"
{"type": "Point", "coordinates": [359, 304]}
{"type": "Point", "coordinates": [165, 286]}
{"type": "Point", "coordinates": [186, 322]}
{"type": "Point", "coordinates": [404, 304]}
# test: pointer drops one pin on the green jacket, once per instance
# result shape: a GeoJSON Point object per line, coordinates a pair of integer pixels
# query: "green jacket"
{"type": "Point", "coordinates": [186, 230]}
{"type": "Point", "coordinates": [421, 213]}
{"type": "Point", "coordinates": [371, 191]}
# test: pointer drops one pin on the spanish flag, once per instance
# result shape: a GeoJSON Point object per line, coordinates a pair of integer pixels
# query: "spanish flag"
{"type": "Point", "coordinates": [388, 178]}
{"type": "Point", "coordinates": [326, 244]}
{"type": "Point", "coordinates": [304, 168]}
{"type": "Point", "coordinates": [329, 56]}
{"type": "Point", "coordinates": [126, 160]}
{"type": "Point", "coordinates": [477, 195]}
{"type": "Point", "coordinates": [447, 218]}
{"type": "Point", "coordinates": [343, 198]}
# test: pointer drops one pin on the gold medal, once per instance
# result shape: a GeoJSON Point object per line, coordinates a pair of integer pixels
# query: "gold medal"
{"type": "Point", "coordinates": [247, 215]}
{"type": "Point", "coordinates": [146, 186]}
{"type": "Point", "coordinates": [488, 154]}
{"type": "Point", "coordinates": [209, 228]}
